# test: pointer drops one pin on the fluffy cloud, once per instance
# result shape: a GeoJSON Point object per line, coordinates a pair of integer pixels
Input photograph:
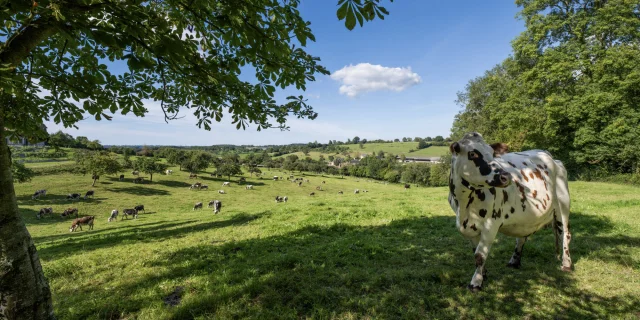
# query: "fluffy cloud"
{"type": "Point", "coordinates": [366, 77]}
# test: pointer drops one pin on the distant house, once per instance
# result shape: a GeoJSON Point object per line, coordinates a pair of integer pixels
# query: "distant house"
{"type": "Point", "coordinates": [22, 141]}
{"type": "Point", "coordinates": [420, 159]}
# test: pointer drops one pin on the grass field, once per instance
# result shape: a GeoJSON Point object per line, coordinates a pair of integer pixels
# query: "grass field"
{"type": "Point", "coordinates": [388, 253]}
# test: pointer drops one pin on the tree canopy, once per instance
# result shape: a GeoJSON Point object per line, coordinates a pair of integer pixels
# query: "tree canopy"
{"type": "Point", "coordinates": [96, 163]}
{"type": "Point", "coordinates": [571, 86]}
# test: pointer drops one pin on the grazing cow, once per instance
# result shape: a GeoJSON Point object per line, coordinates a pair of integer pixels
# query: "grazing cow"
{"type": "Point", "coordinates": [312, 194]}
{"type": "Point", "coordinates": [221, 192]}
{"type": "Point", "coordinates": [139, 208]}
{"type": "Point", "coordinates": [129, 212]}
{"type": "Point", "coordinates": [242, 180]}
{"type": "Point", "coordinates": [95, 177]}
{"type": "Point", "coordinates": [204, 186]}
{"type": "Point", "coordinates": [113, 216]}
{"type": "Point", "coordinates": [516, 194]}
{"type": "Point", "coordinates": [44, 211]}
{"type": "Point", "coordinates": [307, 180]}
{"type": "Point", "coordinates": [275, 178]}
{"type": "Point", "coordinates": [407, 186]}
{"type": "Point", "coordinates": [217, 206]}
{"type": "Point", "coordinates": [74, 196]}
{"type": "Point", "coordinates": [138, 180]}
{"type": "Point", "coordinates": [38, 193]}
{"type": "Point", "coordinates": [169, 172]}
{"type": "Point", "coordinates": [88, 194]}
{"type": "Point", "coordinates": [363, 191]}
{"type": "Point", "coordinates": [278, 199]}
{"type": "Point", "coordinates": [122, 177]}
{"type": "Point", "coordinates": [249, 187]}
{"type": "Point", "coordinates": [356, 191]}
{"type": "Point", "coordinates": [193, 176]}
{"type": "Point", "coordinates": [69, 212]}
{"type": "Point", "coordinates": [323, 182]}
{"type": "Point", "coordinates": [197, 206]}
{"type": "Point", "coordinates": [77, 223]}
{"type": "Point", "coordinates": [300, 184]}
{"type": "Point", "coordinates": [285, 198]}
{"type": "Point", "coordinates": [226, 184]}
{"type": "Point", "coordinates": [340, 192]}
{"type": "Point", "coordinates": [319, 188]}
{"type": "Point", "coordinates": [196, 185]}
{"type": "Point", "coordinates": [135, 173]}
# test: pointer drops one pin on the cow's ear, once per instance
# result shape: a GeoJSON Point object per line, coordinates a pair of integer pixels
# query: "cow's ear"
{"type": "Point", "coordinates": [454, 148]}
{"type": "Point", "coordinates": [499, 149]}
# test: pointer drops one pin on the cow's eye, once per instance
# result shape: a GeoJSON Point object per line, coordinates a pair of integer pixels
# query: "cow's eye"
{"type": "Point", "coordinates": [473, 155]}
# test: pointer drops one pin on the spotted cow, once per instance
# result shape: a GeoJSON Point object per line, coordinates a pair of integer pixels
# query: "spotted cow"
{"type": "Point", "coordinates": [516, 194]}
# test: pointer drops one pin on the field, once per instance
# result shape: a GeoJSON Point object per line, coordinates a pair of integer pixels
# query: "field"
{"type": "Point", "coordinates": [398, 148]}
{"type": "Point", "coordinates": [388, 253]}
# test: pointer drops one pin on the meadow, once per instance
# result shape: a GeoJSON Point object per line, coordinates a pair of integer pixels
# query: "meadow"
{"type": "Point", "coordinates": [387, 253]}
{"type": "Point", "coordinates": [398, 148]}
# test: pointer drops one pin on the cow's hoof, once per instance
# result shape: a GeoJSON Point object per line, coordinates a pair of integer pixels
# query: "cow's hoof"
{"type": "Point", "coordinates": [474, 289]}
{"type": "Point", "coordinates": [513, 265]}
{"type": "Point", "coordinates": [566, 269]}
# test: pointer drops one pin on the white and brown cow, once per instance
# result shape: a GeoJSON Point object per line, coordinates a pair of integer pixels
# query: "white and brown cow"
{"type": "Point", "coordinates": [516, 194]}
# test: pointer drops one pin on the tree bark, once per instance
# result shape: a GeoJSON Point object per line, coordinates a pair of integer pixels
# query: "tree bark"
{"type": "Point", "coordinates": [94, 182]}
{"type": "Point", "coordinates": [24, 291]}
{"type": "Point", "coordinates": [151, 177]}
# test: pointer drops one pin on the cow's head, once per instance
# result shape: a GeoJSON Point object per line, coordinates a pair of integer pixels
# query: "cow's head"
{"type": "Point", "coordinates": [474, 160]}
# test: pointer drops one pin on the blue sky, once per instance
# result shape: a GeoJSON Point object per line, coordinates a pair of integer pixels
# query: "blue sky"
{"type": "Point", "coordinates": [390, 79]}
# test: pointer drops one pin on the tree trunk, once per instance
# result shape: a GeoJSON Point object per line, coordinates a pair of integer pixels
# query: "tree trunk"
{"type": "Point", "coordinates": [94, 182]}
{"type": "Point", "coordinates": [151, 177]}
{"type": "Point", "coordinates": [24, 291]}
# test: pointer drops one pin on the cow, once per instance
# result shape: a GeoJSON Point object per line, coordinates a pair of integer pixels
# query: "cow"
{"type": "Point", "coordinates": [77, 223]}
{"type": "Point", "coordinates": [275, 178]}
{"type": "Point", "coordinates": [300, 184]}
{"type": "Point", "coordinates": [197, 206]}
{"type": "Point", "coordinates": [169, 172]}
{"type": "Point", "coordinates": [356, 191]}
{"type": "Point", "coordinates": [249, 187]}
{"type": "Point", "coordinates": [323, 182]}
{"type": "Point", "coordinates": [122, 177]}
{"type": "Point", "coordinates": [43, 212]}
{"type": "Point", "coordinates": [139, 208]}
{"type": "Point", "coordinates": [113, 216]}
{"type": "Point", "coordinates": [221, 192]}
{"type": "Point", "coordinates": [307, 180]}
{"type": "Point", "coordinates": [285, 198]}
{"type": "Point", "coordinates": [319, 188]}
{"type": "Point", "coordinates": [193, 176]}
{"type": "Point", "coordinates": [88, 194]}
{"type": "Point", "coordinates": [129, 212]}
{"type": "Point", "coordinates": [217, 206]}
{"type": "Point", "coordinates": [516, 194]}
{"type": "Point", "coordinates": [242, 180]}
{"type": "Point", "coordinates": [279, 199]}
{"type": "Point", "coordinates": [74, 196]}
{"type": "Point", "coordinates": [312, 194]}
{"type": "Point", "coordinates": [196, 185]}
{"type": "Point", "coordinates": [138, 180]}
{"type": "Point", "coordinates": [340, 192]}
{"type": "Point", "coordinates": [407, 186]}
{"type": "Point", "coordinates": [226, 183]}
{"type": "Point", "coordinates": [69, 212]}
{"type": "Point", "coordinates": [38, 193]}
{"type": "Point", "coordinates": [135, 173]}
{"type": "Point", "coordinates": [204, 186]}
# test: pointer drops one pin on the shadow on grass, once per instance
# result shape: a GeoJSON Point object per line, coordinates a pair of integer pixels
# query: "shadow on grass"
{"type": "Point", "coordinates": [140, 191]}
{"type": "Point", "coordinates": [118, 226]}
{"type": "Point", "coordinates": [413, 268]}
{"type": "Point", "coordinates": [137, 234]}
{"type": "Point", "coordinates": [173, 183]}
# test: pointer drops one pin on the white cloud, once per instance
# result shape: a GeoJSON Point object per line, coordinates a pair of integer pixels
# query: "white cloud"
{"type": "Point", "coordinates": [366, 77]}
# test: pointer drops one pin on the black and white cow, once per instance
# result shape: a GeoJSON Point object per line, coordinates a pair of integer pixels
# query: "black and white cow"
{"type": "Point", "coordinates": [121, 177]}
{"type": "Point", "coordinates": [249, 187]}
{"type": "Point", "coordinates": [88, 194]}
{"type": "Point", "coordinates": [197, 206]}
{"type": "Point", "coordinates": [139, 208]}
{"type": "Point", "coordinates": [74, 196]}
{"type": "Point", "coordinates": [129, 212]}
{"type": "Point", "coordinates": [44, 211]}
{"type": "Point", "coordinates": [217, 206]}
{"type": "Point", "coordinates": [113, 216]}
{"type": "Point", "coordinates": [38, 193]}
{"type": "Point", "coordinates": [516, 194]}
{"type": "Point", "coordinates": [226, 183]}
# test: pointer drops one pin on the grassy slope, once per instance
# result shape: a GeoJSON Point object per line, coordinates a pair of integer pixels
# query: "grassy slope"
{"type": "Point", "coordinates": [398, 148]}
{"type": "Point", "coordinates": [388, 253]}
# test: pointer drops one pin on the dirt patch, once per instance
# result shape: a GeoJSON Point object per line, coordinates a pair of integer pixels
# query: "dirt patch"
{"type": "Point", "coordinates": [173, 299]}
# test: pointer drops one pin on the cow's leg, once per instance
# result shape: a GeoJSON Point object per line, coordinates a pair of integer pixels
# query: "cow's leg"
{"type": "Point", "coordinates": [487, 237]}
{"type": "Point", "coordinates": [562, 217]}
{"type": "Point", "coordinates": [514, 262]}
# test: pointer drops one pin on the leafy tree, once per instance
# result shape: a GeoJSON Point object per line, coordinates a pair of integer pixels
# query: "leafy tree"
{"type": "Point", "coordinates": [196, 161]}
{"type": "Point", "coordinates": [380, 154]}
{"type": "Point", "coordinates": [422, 144]}
{"type": "Point", "coordinates": [21, 173]}
{"type": "Point", "coordinates": [417, 139]}
{"type": "Point", "coordinates": [82, 142]}
{"type": "Point", "coordinates": [338, 161]}
{"type": "Point", "coordinates": [331, 158]}
{"type": "Point", "coordinates": [438, 139]}
{"type": "Point", "coordinates": [96, 163]}
{"type": "Point", "coordinates": [149, 166]}
{"type": "Point", "coordinates": [428, 139]}
{"type": "Point", "coordinates": [176, 157]}
{"type": "Point", "coordinates": [94, 145]}
{"type": "Point", "coordinates": [229, 166]}
{"type": "Point", "coordinates": [396, 140]}
{"type": "Point", "coordinates": [356, 140]}
{"type": "Point", "coordinates": [183, 55]}
{"type": "Point", "coordinates": [321, 158]}
{"type": "Point", "coordinates": [61, 139]}
{"type": "Point", "coordinates": [255, 170]}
